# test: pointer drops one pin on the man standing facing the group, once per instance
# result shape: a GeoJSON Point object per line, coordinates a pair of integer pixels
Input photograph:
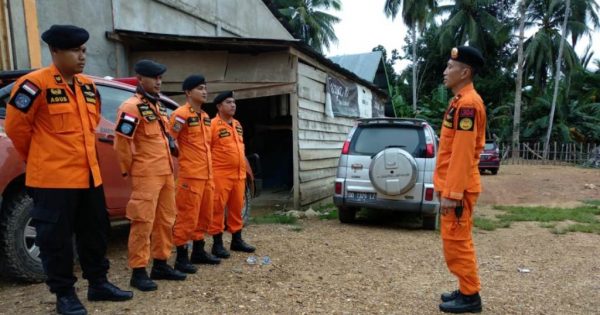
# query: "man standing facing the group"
{"type": "Point", "coordinates": [229, 166]}
{"type": "Point", "coordinates": [456, 177]}
{"type": "Point", "coordinates": [51, 119]}
{"type": "Point", "coordinates": [142, 146]}
{"type": "Point", "coordinates": [190, 125]}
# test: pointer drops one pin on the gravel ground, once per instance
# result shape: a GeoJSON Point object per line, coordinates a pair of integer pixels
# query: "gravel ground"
{"type": "Point", "coordinates": [381, 265]}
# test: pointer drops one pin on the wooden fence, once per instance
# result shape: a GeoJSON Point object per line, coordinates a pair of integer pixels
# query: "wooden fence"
{"type": "Point", "coordinates": [558, 153]}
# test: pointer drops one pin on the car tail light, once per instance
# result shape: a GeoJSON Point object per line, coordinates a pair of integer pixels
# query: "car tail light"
{"type": "Point", "coordinates": [338, 188]}
{"type": "Point", "coordinates": [346, 147]}
{"type": "Point", "coordinates": [429, 194]}
{"type": "Point", "coordinates": [429, 151]}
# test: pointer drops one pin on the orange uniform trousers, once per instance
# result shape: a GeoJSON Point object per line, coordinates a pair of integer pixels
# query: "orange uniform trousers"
{"type": "Point", "coordinates": [152, 212]}
{"type": "Point", "coordinates": [194, 198]}
{"type": "Point", "coordinates": [228, 192]}
{"type": "Point", "coordinates": [459, 250]}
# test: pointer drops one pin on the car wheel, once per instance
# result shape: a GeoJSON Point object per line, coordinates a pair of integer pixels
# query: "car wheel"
{"type": "Point", "coordinates": [18, 252]}
{"type": "Point", "coordinates": [246, 206]}
{"type": "Point", "coordinates": [347, 214]}
{"type": "Point", "coordinates": [431, 222]}
{"type": "Point", "coordinates": [494, 171]}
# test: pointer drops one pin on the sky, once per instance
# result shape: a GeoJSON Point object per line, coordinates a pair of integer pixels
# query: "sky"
{"type": "Point", "coordinates": [363, 27]}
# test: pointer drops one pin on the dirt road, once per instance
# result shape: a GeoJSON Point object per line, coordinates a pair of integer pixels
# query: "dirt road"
{"type": "Point", "coordinates": [378, 266]}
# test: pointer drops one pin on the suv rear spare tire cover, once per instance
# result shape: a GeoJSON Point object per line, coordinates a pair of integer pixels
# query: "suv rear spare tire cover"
{"type": "Point", "coordinates": [393, 171]}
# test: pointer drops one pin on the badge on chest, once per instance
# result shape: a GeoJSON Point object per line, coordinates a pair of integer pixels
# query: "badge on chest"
{"type": "Point", "coordinates": [147, 113]}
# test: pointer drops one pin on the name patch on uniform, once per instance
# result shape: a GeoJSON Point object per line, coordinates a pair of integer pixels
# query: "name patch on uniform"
{"type": "Point", "coordinates": [193, 121]}
{"type": "Point", "coordinates": [147, 113]}
{"type": "Point", "coordinates": [224, 133]}
{"type": "Point", "coordinates": [56, 96]}
{"type": "Point", "coordinates": [206, 121]}
{"type": "Point", "coordinates": [239, 130]}
{"type": "Point", "coordinates": [88, 93]}
{"type": "Point", "coordinates": [466, 119]}
{"type": "Point", "coordinates": [25, 95]}
{"type": "Point", "coordinates": [449, 118]}
{"type": "Point", "coordinates": [127, 125]}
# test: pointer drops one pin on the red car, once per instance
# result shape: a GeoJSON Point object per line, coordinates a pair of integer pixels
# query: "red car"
{"type": "Point", "coordinates": [489, 159]}
{"type": "Point", "coordinates": [18, 251]}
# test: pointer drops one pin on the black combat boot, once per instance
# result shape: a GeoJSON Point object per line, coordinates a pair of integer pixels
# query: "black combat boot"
{"type": "Point", "coordinates": [462, 304]}
{"type": "Point", "coordinates": [449, 296]}
{"type": "Point", "coordinates": [106, 291]}
{"type": "Point", "coordinates": [217, 248]}
{"type": "Point", "coordinates": [238, 244]}
{"type": "Point", "coordinates": [162, 271]}
{"type": "Point", "coordinates": [141, 281]}
{"type": "Point", "coordinates": [68, 303]}
{"type": "Point", "coordinates": [200, 256]}
{"type": "Point", "coordinates": [182, 262]}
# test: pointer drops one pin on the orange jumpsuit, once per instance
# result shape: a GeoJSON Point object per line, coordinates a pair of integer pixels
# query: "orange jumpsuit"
{"type": "Point", "coordinates": [195, 187]}
{"type": "Point", "coordinates": [47, 114]}
{"type": "Point", "coordinates": [229, 167]}
{"type": "Point", "coordinates": [143, 152]}
{"type": "Point", "coordinates": [456, 177]}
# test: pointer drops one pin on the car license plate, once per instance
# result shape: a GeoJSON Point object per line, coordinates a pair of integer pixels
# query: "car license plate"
{"type": "Point", "coordinates": [362, 195]}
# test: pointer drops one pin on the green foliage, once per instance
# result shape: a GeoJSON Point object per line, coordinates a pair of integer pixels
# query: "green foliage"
{"type": "Point", "coordinates": [490, 224]}
{"type": "Point", "coordinates": [273, 219]}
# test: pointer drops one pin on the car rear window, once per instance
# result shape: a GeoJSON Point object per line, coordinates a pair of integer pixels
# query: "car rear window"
{"type": "Point", "coordinates": [370, 140]}
{"type": "Point", "coordinates": [489, 146]}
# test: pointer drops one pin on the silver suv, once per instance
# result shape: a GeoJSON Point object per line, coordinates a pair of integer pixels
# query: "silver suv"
{"type": "Point", "coordinates": [388, 164]}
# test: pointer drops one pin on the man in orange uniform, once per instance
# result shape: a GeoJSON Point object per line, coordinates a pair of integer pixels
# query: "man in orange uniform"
{"type": "Point", "coordinates": [190, 125]}
{"type": "Point", "coordinates": [142, 146]}
{"type": "Point", "coordinates": [456, 177]}
{"type": "Point", "coordinates": [51, 120]}
{"type": "Point", "coordinates": [229, 166]}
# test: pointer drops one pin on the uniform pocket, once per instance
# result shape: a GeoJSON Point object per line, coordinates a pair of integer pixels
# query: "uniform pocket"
{"type": "Point", "coordinates": [93, 115]}
{"type": "Point", "coordinates": [64, 118]}
{"type": "Point", "coordinates": [141, 207]}
{"type": "Point", "coordinates": [152, 129]}
{"type": "Point", "coordinates": [453, 229]}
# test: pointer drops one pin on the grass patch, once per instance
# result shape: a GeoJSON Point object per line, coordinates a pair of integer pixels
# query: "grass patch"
{"type": "Point", "coordinates": [273, 219]}
{"type": "Point", "coordinates": [490, 224]}
{"type": "Point", "coordinates": [585, 217]}
{"type": "Point", "coordinates": [332, 214]}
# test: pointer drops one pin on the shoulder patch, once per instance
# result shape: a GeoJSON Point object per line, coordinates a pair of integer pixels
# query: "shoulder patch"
{"type": "Point", "coordinates": [449, 118]}
{"type": "Point", "coordinates": [25, 95]}
{"type": "Point", "coordinates": [206, 121]}
{"type": "Point", "coordinates": [127, 125]}
{"type": "Point", "coordinates": [58, 79]}
{"type": "Point", "coordinates": [223, 132]}
{"type": "Point", "coordinates": [162, 109]}
{"type": "Point", "coordinates": [466, 119]}
{"type": "Point", "coordinates": [239, 130]}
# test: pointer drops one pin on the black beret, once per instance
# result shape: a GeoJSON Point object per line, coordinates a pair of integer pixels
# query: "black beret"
{"type": "Point", "coordinates": [468, 55]}
{"type": "Point", "coordinates": [223, 96]}
{"type": "Point", "coordinates": [149, 68]}
{"type": "Point", "coordinates": [65, 36]}
{"type": "Point", "coordinates": [192, 82]}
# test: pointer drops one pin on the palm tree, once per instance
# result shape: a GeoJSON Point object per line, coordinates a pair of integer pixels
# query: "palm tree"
{"type": "Point", "coordinates": [519, 82]}
{"type": "Point", "coordinates": [308, 22]}
{"type": "Point", "coordinates": [476, 22]}
{"type": "Point", "coordinates": [414, 14]}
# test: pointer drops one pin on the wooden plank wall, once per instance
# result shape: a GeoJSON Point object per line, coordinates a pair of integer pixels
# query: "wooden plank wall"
{"type": "Point", "coordinates": [320, 138]}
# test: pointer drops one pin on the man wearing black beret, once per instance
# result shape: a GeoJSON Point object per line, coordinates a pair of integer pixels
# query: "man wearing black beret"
{"type": "Point", "coordinates": [190, 125]}
{"type": "Point", "coordinates": [456, 177]}
{"type": "Point", "coordinates": [229, 166]}
{"type": "Point", "coordinates": [51, 120]}
{"type": "Point", "coordinates": [142, 145]}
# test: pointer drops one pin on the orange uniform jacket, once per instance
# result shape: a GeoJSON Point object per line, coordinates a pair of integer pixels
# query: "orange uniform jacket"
{"type": "Point", "coordinates": [193, 132]}
{"type": "Point", "coordinates": [461, 142]}
{"type": "Point", "coordinates": [141, 144]}
{"type": "Point", "coordinates": [53, 128]}
{"type": "Point", "coordinates": [229, 159]}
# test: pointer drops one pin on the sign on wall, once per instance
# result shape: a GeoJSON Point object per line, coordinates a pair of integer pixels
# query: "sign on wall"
{"type": "Point", "coordinates": [342, 96]}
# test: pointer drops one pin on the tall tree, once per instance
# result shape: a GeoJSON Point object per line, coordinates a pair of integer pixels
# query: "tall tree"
{"type": "Point", "coordinates": [519, 82]}
{"type": "Point", "coordinates": [556, 77]}
{"type": "Point", "coordinates": [414, 14]}
{"type": "Point", "coordinates": [308, 20]}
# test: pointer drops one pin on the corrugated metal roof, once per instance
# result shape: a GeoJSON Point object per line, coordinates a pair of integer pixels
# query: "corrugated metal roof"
{"type": "Point", "coordinates": [363, 65]}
